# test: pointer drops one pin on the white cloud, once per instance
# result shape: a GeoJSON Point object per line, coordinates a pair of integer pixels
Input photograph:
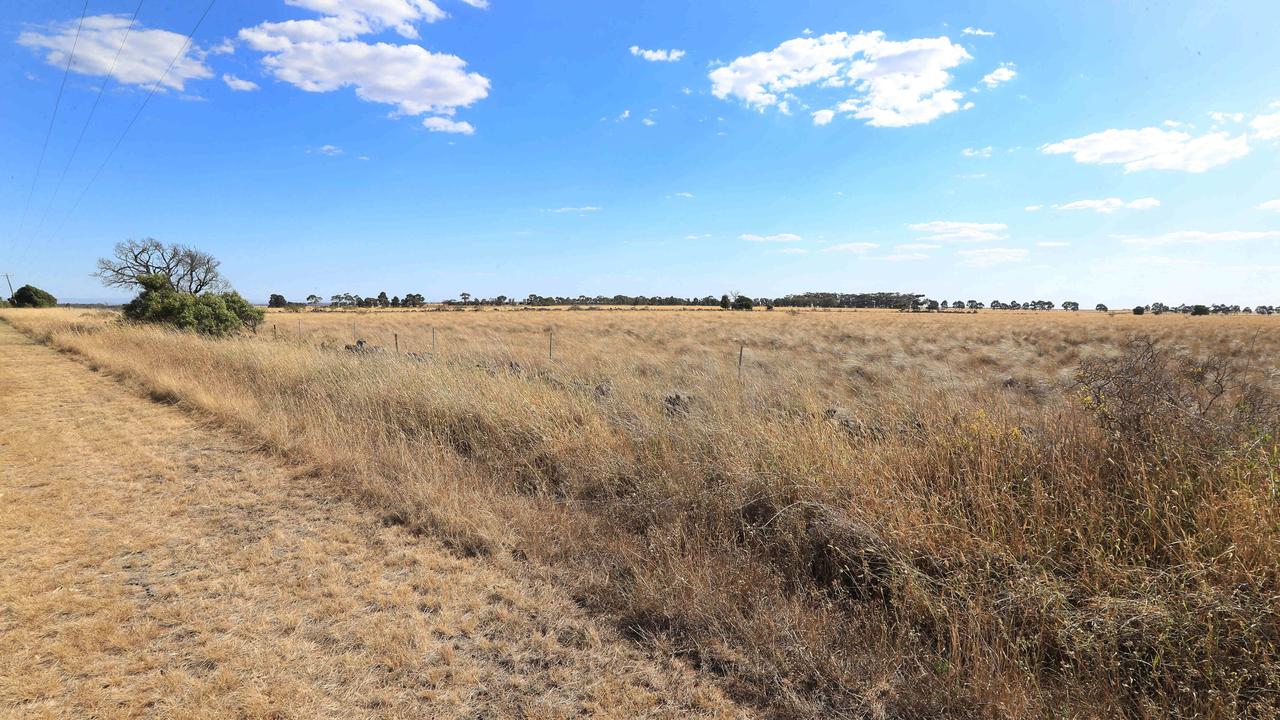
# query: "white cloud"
{"type": "Point", "coordinates": [1273, 205]}
{"type": "Point", "coordinates": [986, 257]}
{"type": "Point", "coordinates": [703, 236]}
{"type": "Point", "coordinates": [1053, 244]}
{"type": "Point", "coordinates": [780, 237]}
{"type": "Point", "coordinates": [1222, 118]}
{"type": "Point", "coordinates": [648, 122]}
{"type": "Point", "coordinates": [624, 115]}
{"type": "Point", "coordinates": [447, 125]}
{"type": "Point", "coordinates": [978, 31]}
{"type": "Point", "coordinates": [895, 83]}
{"type": "Point", "coordinates": [143, 59]}
{"type": "Point", "coordinates": [238, 84]}
{"type": "Point", "coordinates": [1033, 208]}
{"type": "Point", "coordinates": [1198, 237]}
{"type": "Point", "coordinates": [823, 117]}
{"type": "Point", "coordinates": [657, 55]}
{"type": "Point", "coordinates": [686, 195]}
{"type": "Point", "coordinates": [578, 210]}
{"type": "Point", "coordinates": [323, 55]}
{"type": "Point", "coordinates": [330, 150]}
{"type": "Point", "coordinates": [1002, 74]}
{"type": "Point", "coordinates": [1152, 148]}
{"type": "Point", "coordinates": [1266, 127]}
{"type": "Point", "coordinates": [1110, 205]}
{"type": "Point", "coordinates": [983, 153]}
{"type": "Point", "coordinates": [852, 247]}
{"type": "Point", "coordinates": [950, 231]}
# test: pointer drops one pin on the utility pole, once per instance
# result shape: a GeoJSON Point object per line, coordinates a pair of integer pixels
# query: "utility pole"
{"type": "Point", "coordinates": [10, 284]}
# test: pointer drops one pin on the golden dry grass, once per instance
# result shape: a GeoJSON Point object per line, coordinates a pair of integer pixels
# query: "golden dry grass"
{"type": "Point", "coordinates": [154, 567]}
{"type": "Point", "coordinates": [888, 515]}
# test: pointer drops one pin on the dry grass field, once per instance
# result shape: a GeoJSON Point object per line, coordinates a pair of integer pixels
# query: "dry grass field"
{"type": "Point", "coordinates": [876, 515]}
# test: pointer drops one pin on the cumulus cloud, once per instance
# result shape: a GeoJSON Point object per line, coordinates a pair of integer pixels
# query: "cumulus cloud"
{"type": "Point", "coordinates": [1002, 74]}
{"type": "Point", "coordinates": [448, 125]}
{"type": "Point", "coordinates": [1153, 148]}
{"type": "Point", "coordinates": [325, 54]}
{"type": "Point", "coordinates": [1110, 205]}
{"type": "Point", "coordinates": [657, 55]}
{"type": "Point", "coordinates": [780, 237]}
{"type": "Point", "coordinates": [823, 117]}
{"type": "Point", "coordinates": [1273, 205]}
{"type": "Point", "coordinates": [986, 257]}
{"type": "Point", "coordinates": [144, 56]}
{"type": "Point", "coordinates": [966, 232]}
{"type": "Point", "coordinates": [1266, 127]}
{"type": "Point", "coordinates": [238, 84]}
{"type": "Point", "coordinates": [978, 31]}
{"type": "Point", "coordinates": [852, 247]}
{"type": "Point", "coordinates": [893, 83]}
{"type": "Point", "coordinates": [1198, 237]}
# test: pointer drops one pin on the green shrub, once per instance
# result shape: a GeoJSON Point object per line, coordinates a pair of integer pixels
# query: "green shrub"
{"type": "Point", "coordinates": [1200, 310]}
{"type": "Point", "coordinates": [216, 314]}
{"type": "Point", "coordinates": [32, 297]}
{"type": "Point", "coordinates": [1139, 310]}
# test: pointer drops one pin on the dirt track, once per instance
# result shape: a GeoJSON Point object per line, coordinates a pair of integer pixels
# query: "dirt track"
{"type": "Point", "coordinates": [152, 567]}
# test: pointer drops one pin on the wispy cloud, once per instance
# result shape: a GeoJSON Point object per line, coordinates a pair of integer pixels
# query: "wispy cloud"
{"type": "Point", "coordinates": [983, 152]}
{"type": "Point", "coordinates": [579, 210]}
{"type": "Point", "coordinates": [852, 247]}
{"type": "Point", "coordinates": [1273, 205]}
{"type": "Point", "coordinates": [978, 31]}
{"type": "Point", "coordinates": [657, 55]}
{"type": "Point", "coordinates": [1107, 206]}
{"type": "Point", "coordinates": [238, 84]}
{"type": "Point", "coordinates": [952, 231]}
{"type": "Point", "coordinates": [1198, 237]}
{"type": "Point", "coordinates": [780, 237]}
{"type": "Point", "coordinates": [986, 257]}
{"type": "Point", "coordinates": [1153, 148]}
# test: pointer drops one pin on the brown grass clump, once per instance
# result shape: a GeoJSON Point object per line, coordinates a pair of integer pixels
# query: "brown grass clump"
{"type": "Point", "coordinates": [888, 515]}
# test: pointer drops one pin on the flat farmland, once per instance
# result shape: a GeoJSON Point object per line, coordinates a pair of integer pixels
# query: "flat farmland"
{"type": "Point", "coordinates": [845, 512]}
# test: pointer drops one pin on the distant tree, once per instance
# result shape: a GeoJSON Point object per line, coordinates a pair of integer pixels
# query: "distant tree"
{"type": "Point", "coordinates": [276, 301]}
{"type": "Point", "coordinates": [1071, 305]}
{"type": "Point", "coordinates": [724, 302]}
{"type": "Point", "coordinates": [1139, 310]}
{"type": "Point", "coordinates": [957, 304]}
{"type": "Point", "coordinates": [383, 301]}
{"type": "Point", "coordinates": [742, 302]}
{"type": "Point", "coordinates": [931, 305]}
{"type": "Point", "coordinates": [29, 296]}
{"type": "Point", "coordinates": [395, 301]}
{"type": "Point", "coordinates": [313, 299]}
{"type": "Point", "coordinates": [218, 314]}
{"type": "Point", "coordinates": [1199, 310]}
{"type": "Point", "coordinates": [184, 269]}
{"type": "Point", "coordinates": [466, 297]}
{"type": "Point", "coordinates": [945, 304]}
{"type": "Point", "coordinates": [1100, 307]}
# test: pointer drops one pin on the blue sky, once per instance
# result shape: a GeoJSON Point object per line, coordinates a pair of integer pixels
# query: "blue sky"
{"type": "Point", "coordinates": [1104, 151]}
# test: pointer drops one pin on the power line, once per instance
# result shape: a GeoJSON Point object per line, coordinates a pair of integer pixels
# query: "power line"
{"type": "Point", "coordinates": [57, 103]}
{"type": "Point", "coordinates": [101, 91]}
{"type": "Point", "coordinates": [155, 86]}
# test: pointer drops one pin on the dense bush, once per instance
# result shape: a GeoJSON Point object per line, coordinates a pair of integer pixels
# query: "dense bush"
{"type": "Point", "coordinates": [218, 314]}
{"type": "Point", "coordinates": [1139, 310]}
{"type": "Point", "coordinates": [32, 297]}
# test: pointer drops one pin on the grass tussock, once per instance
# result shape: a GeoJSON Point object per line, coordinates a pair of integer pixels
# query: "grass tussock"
{"type": "Point", "coordinates": [878, 515]}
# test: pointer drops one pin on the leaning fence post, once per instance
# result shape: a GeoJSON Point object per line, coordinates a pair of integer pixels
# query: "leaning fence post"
{"type": "Point", "coordinates": [741, 350]}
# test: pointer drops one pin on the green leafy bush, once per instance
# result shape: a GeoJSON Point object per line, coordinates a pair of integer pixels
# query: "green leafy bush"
{"type": "Point", "coordinates": [217, 314]}
{"type": "Point", "coordinates": [32, 297]}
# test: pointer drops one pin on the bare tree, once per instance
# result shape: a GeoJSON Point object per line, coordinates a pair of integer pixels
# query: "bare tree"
{"type": "Point", "coordinates": [188, 270]}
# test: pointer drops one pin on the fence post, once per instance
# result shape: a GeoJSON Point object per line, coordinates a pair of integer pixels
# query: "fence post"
{"type": "Point", "coordinates": [433, 339]}
{"type": "Point", "coordinates": [551, 336]}
{"type": "Point", "coordinates": [741, 350]}
{"type": "Point", "coordinates": [397, 337]}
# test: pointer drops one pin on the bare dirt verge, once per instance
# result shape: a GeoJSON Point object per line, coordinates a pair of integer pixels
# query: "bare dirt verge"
{"type": "Point", "coordinates": [155, 567]}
